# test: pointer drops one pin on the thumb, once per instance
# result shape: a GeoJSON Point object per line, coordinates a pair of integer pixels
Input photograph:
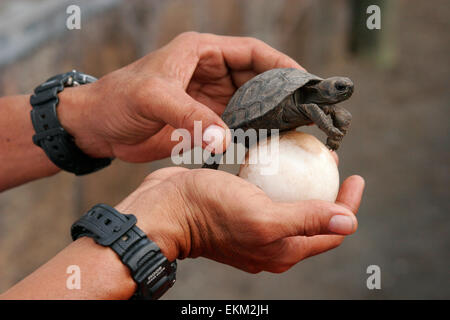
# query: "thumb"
{"type": "Point", "coordinates": [314, 217]}
{"type": "Point", "coordinates": [180, 110]}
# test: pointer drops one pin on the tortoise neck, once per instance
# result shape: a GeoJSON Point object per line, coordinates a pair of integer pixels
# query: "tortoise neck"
{"type": "Point", "coordinates": [311, 94]}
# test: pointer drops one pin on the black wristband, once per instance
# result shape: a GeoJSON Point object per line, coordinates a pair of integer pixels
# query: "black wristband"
{"type": "Point", "coordinates": [57, 143]}
{"type": "Point", "coordinates": [149, 268]}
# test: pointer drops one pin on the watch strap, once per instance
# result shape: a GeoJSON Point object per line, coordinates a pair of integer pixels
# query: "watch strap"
{"type": "Point", "coordinates": [149, 268]}
{"type": "Point", "coordinates": [57, 143]}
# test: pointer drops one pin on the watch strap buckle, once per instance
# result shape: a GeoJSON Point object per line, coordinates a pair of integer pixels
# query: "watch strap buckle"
{"type": "Point", "coordinates": [102, 226]}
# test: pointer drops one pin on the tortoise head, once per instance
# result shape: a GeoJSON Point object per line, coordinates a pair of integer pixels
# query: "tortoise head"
{"type": "Point", "coordinates": [330, 91]}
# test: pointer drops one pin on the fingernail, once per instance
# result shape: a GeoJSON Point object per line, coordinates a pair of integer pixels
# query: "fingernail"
{"type": "Point", "coordinates": [214, 137]}
{"type": "Point", "coordinates": [341, 224]}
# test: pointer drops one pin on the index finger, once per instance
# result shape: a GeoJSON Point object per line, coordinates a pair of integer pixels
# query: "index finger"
{"type": "Point", "coordinates": [253, 54]}
{"type": "Point", "coordinates": [247, 57]}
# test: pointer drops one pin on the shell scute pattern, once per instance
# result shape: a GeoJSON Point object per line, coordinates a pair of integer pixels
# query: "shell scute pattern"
{"type": "Point", "coordinates": [264, 93]}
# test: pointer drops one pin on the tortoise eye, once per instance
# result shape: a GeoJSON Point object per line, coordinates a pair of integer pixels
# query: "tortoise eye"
{"type": "Point", "coordinates": [340, 86]}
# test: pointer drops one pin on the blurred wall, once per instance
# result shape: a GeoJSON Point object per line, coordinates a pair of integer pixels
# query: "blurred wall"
{"type": "Point", "coordinates": [399, 148]}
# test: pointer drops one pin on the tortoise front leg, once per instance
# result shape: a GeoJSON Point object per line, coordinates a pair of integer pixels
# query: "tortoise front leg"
{"type": "Point", "coordinates": [341, 120]}
{"type": "Point", "coordinates": [318, 116]}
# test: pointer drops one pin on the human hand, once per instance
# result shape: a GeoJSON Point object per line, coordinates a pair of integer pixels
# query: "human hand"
{"type": "Point", "coordinates": [191, 213]}
{"type": "Point", "coordinates": [131, 113]}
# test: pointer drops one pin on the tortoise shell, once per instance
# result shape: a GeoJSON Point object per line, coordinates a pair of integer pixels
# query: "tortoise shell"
{"type": "Point", "coordinates": [263, 93]}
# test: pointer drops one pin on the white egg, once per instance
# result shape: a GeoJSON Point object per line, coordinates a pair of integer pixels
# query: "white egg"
{"type": "Point", "coordinates": [300, 168]}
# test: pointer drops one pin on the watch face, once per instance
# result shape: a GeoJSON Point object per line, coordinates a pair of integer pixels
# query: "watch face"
{"type": "Point", "coordinates": [88, 78]}
{"type": "Point", "coordinates": [81, 78]}
{"type": "Point", "coordinates": [162, 277]}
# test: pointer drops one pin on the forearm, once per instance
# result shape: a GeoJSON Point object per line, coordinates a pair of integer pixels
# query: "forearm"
{"type": "Point", "coordinates": [20, 159]}
{"type": "Point", "coordinates": [102, 276]}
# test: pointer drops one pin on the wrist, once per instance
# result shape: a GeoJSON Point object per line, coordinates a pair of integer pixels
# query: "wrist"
{"type": "Point", "coordinates": [76, 113]}
{"type": "Point", "coordinates": [157, 219]}
{"type": "Point", "coordinates": [158, 231]}
{"type": "Point", "coordinates": [153, 273]}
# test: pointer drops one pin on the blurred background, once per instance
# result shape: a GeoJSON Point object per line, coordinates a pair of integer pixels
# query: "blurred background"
{"type": "Point", "coordinates": [399, 140]}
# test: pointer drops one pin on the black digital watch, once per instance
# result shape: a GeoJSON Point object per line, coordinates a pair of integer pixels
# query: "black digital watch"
{"type": "Point", "coordinates": [57, 143]}
{"type": "Point", "coordinates": [150, 269]}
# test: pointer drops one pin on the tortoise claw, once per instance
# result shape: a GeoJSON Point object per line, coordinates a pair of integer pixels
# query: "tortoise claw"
{"type": "Point", "coordinates": [333, 145]}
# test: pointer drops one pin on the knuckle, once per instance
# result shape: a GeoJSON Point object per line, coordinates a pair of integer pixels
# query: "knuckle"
{"type": "Point", "coordinates": [253, 41]}
{"type": "Point", "coordinates": [150, 176]}
{"type": "Point", "coordinates": [187, 118]}
{"type": "Point", "coordinates": [312, 224]}
{"type": "Point", "coordinates": [164, 173]}
{"type": "Point", "coordinates": [188, 36]}
{"type": "Point", "coordinates": [154, 175]}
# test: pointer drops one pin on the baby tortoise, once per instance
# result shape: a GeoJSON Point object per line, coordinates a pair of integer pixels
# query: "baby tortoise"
{"type": "Point", "coordinates": [285, 99]}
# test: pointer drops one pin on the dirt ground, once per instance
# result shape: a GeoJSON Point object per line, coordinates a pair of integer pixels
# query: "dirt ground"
{"type": "Point", "coordinates": [399, 142]}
